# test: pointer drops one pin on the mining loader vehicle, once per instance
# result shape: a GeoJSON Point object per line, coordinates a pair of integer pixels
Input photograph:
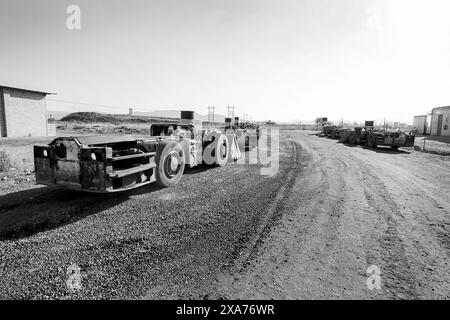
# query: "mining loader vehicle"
{"type": "Point", "coordinates": [372, 137]}
{"type": "Point", "coordinates": [247, 134]}
{"type": "Point", "coordinates": [328, 130]}
{"type": "Point", "coordinates": [339, 133]}
{"type": "Point", "coordinates": [333, 131]}
{"type": "Point", "coordinates": [344, 134]}
{"type": "Point", "coordinates": [116, 163]}
{"type": "Point", "coordinates": [324, 125]}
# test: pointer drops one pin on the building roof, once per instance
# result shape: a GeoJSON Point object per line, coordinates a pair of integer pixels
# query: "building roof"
{"type": "Point", "coordinates": [30, 90]}
{"type": "Point", "coordinates": [448, 107]}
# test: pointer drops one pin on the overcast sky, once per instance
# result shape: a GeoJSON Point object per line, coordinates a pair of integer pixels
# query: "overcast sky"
{"type": "Point", "coordinates": [272, 59]}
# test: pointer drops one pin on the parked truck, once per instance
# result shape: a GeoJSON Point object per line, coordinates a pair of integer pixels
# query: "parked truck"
{"type": "Point", "coordinates": [111, 164]}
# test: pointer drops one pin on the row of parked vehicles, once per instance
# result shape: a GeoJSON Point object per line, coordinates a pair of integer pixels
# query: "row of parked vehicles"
{"type": "Point", "coordinates": [369, 135]}
{"type": "Point", "coordinates": [104, 163]}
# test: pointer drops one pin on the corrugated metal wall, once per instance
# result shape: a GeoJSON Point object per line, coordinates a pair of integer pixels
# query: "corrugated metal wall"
{"type": "Point", "coordinates": [420, 123]}
{"type": "Point", "coordinates": [444, 126]}
{"type": "Point", "coordinates": [2, 115]}
{"type": "Point", "coordinates": [428, 131]}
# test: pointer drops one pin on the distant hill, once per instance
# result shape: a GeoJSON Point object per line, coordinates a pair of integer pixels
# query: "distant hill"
{"type": "Point", "coordinates": [111, 118]}
{"type": "Point", "coordinates": [101, 117]}
{"type": "Point", "coordinates": [57, 115]}
{"type": "Point", "coordinates": [142, 117]}
{"type": "Point", "coordinates": [89, 117]}
{"type": "Point", "coordinates": [176, 114]}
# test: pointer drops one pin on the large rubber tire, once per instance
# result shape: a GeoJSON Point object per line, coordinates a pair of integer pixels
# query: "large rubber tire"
{"type": "Point", "coordinates": [247, 143]}
{"type": "Point", "coordinates": [371, 142]}
{"type": "Point", "coordinates": [221, 151]}
{"type": "Point", "coordinates": [345, 137]}
{"type": "Point", "coordinates": [170, 163]}
{"type": "Point", "coordinates": [351, 139]}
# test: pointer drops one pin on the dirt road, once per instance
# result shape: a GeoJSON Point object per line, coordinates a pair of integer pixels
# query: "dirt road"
{"type": "Point", "coordinates": [311, 231]}
{"type": "Point", "coordinates": [351, 208]}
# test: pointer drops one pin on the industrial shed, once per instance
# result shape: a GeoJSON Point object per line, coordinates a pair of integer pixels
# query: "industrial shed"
{"type": "Point", "coordinates": [440, 121]}
{"type": "Point", "coordinates": [23, 112]}
{"type": "Point", "coordinates": [420, 123]}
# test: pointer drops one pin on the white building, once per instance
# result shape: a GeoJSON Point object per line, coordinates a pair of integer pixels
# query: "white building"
{"type": "Point", "coordinates": [23, 112]}
{"type": "Point", "coordinates": [420, 124]}
{"type": "Point", "coordinates": [440, 121]}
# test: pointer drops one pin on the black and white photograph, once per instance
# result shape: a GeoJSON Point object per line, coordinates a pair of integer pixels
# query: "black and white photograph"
{"type": "Point", "coordinates": [235, 152]}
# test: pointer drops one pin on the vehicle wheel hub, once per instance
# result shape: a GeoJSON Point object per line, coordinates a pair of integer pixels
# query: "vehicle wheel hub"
{"type": "Point", "coordinates": [174, 163]}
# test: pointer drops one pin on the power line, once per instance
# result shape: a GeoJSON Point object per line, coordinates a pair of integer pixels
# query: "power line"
{"type": "Point", "coordinates": [211, 114]}
{"type": "Point", "coordinates": [86, 104]}
{"type": "Point", "coordinates": [231, 111]}
{"type": "Point", "coordinates": [211, 109]}
{"type": "Point", "coordinates": [94, 105]}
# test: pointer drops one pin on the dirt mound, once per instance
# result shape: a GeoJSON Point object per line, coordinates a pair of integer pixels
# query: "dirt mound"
{"type": "Point", "coordinates": [89, 117]}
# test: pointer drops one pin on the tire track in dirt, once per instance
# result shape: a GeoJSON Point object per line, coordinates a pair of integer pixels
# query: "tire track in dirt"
{"type": "Point", "coordinates": [272, 213]}
{"type": "Point", "coordinates": [422, 244]}
{"type": "Point", "coordinates": [344, 215]}
{"type": "Point", "coordinates": [396, 273]}
{"type": "Point", "coordinates": [388, 195]}
{"type": "Point", "coordinates": [312, 230]}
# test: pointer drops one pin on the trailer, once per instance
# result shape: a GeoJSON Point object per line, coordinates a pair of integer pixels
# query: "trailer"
{"type": "Point", "coordinates": [111, 164]}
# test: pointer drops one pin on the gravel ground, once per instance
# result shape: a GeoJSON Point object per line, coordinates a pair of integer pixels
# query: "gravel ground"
{"type": "Point", "coordinates": [149, 243]}
{"type": "Point", "coordinates": [309, 232]}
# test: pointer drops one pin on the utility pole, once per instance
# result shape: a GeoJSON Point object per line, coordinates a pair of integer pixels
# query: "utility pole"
{"type": "Point", "coordinates": [211, 114]}
{"type": "Point", "coordinates": [230, 112]}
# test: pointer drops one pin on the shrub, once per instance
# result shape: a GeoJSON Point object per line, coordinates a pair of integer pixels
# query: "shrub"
{"type": "Point", "coordinates": [5, 163]}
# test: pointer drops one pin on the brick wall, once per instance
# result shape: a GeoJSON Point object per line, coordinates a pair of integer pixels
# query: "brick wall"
{"type": "Point", "coordinates": [25, 112]}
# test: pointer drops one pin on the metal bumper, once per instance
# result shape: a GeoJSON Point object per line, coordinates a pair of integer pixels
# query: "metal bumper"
{"type": "Point", "coordinates": [91, 169]}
